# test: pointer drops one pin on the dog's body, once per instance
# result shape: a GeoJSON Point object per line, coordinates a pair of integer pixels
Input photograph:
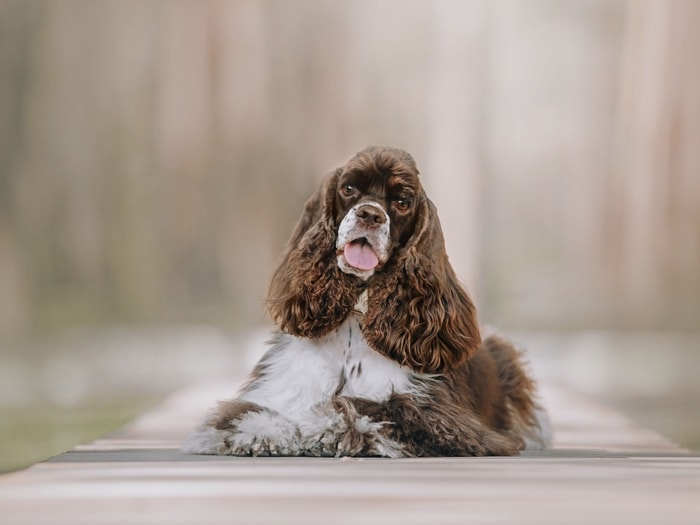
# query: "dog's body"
{"type": "Point", "coordinates": [379, 351]}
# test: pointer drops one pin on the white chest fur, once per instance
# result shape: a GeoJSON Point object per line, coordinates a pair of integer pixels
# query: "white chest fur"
{"type": "Point", "coordinates": [299, 373]}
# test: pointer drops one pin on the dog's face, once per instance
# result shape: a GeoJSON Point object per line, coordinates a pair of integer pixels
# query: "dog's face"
{"type": "Point", "coordinates": [375, 205]}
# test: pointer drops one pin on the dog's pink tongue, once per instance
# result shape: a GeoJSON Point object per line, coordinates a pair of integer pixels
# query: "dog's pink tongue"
{"type": "Point", "coordinates": [360, 255]}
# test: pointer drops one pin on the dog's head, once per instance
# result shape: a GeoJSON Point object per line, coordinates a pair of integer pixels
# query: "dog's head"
{"type": "Point", "coordinates": [370, 226]}
{"type": "Point", "coordinates": [375, 208]}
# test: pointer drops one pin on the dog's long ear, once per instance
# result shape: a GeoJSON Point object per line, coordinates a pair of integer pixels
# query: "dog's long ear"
{"type": "Point", "coordinates": [418, 312]}
{"type": "Point", "coordinates": [309, 296]}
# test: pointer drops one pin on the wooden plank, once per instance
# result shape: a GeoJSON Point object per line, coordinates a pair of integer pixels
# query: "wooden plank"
{"type": "Point", "coordinates": [603, 468]}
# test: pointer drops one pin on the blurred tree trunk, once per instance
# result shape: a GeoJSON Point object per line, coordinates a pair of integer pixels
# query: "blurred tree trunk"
{"type": "Point", "coordinates": [455, 119]}
{"type": "Point", "coordinates": [654, 241]}
{"type": "Point", "coordinates": [18, 30]}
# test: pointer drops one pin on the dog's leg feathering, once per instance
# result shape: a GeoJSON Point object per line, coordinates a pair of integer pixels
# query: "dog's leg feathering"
{"type": "Point", "coordinates": [336, 429]}
{"type": "Point", "coordinates": [240, 428]}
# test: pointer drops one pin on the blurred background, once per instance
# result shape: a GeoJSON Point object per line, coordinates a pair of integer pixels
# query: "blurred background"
{"type": "Point", "coordinates": [154, 156]}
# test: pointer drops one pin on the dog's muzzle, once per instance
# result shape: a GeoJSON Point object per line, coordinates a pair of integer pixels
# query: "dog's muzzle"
{"type": "Point", "coordinates": [363, 239]}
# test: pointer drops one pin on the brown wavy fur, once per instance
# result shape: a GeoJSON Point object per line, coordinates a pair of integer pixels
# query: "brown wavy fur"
{"type": "Point", "coordinates": [419, 314]}
{"type": "Point", "coordinates": [309, 295]}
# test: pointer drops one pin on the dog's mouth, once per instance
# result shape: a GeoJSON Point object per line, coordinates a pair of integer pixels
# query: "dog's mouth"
{"type": "Point", "coordinates": [360, 254]}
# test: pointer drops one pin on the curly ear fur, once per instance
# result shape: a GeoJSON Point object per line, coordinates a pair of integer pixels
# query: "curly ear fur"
{"type": "Point", "coordinates": [418, 313]}
{"type": "Point", "coordinates": [309, 295]}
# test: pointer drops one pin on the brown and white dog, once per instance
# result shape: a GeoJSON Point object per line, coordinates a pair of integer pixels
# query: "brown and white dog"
{"type": "Point", "coordinates": [379, 351]}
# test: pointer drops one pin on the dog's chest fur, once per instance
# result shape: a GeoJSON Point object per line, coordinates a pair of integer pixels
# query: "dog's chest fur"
{"type": "Point", "coordinates": [298, 373]}
{"type": "Point", "coordinates": [362, 371]}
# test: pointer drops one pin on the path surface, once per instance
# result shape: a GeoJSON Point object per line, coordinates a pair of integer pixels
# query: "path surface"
{"type": "Point", "coordinates": [603, 469]}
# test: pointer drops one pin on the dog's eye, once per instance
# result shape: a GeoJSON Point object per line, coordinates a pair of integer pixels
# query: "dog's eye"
{"type": "Point", "coordinates": [349, 189]}
{"type": "Point", "coordinates": [402, 204]}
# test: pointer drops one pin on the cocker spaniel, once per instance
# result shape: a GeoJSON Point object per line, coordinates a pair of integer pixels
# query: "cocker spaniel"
{"type": "Point", "coordinates": [378, 351]}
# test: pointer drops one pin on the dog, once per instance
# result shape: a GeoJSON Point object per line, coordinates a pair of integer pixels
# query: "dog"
{"type": "Point", "coordinates": [378, 351]}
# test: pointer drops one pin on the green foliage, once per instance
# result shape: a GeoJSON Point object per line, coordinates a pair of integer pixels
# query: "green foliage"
{"type": "Point", "coordinates": [35, 433]}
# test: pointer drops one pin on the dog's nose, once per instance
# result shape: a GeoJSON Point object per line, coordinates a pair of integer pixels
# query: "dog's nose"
{"type": "Point", "coordinates": [370, 215]}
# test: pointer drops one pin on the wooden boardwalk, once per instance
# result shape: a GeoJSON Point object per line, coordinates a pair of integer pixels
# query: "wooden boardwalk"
{"type": "Point", "coordinates": [603, 469]}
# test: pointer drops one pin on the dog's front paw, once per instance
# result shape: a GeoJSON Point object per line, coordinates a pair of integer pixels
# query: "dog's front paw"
{"type": "Point", "coordinates": [324, 444]}
{"type": "Point", "coordinates": [339, 435]}
{"type": "Point", "coordinates": [322, 430]}
{"type": "Point", "coordinates": [262, 433]}
{"type": "Point", "coordinates": [243, 444]}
